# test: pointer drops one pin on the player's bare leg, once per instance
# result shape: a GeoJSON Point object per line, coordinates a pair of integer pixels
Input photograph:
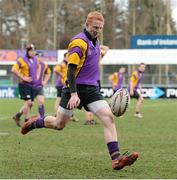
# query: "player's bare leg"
{"type": "Point", "coordinates": [138, 107]}
{"type": "Point", "coordinates": [40, 100]}
{"type": "Point", "coordinates": [89, 118]}
{"type": "Point", "coordinates": [106, 117]}
{"type": "Point", "coordinates": [57, 102]}
{"type": "Point", "coordinates": [110, 134]}
{"type": "Point", "coordinates": [58, 122]}
{"type": "Point", "coordinates": [25, 110]}
{"type": "Point", "coordinates": [17, 116]}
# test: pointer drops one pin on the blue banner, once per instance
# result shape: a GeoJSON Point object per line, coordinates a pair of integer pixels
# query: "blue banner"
{"type": "Point", "coordinates": [8, 92]}
{"type": "Point", "coordinates": [107, 92]}
{"type": "Point", "coordinates": [154, 42]}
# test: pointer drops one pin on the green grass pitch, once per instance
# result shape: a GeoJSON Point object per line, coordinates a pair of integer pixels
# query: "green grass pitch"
{"type": "Point", "coordinates": [79, 151]}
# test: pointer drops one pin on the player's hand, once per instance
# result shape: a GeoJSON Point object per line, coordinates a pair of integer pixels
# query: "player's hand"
{"type": "Point", "coordinates": [27, 79]}
{"type": "Point", "coordinates": [74, 101]}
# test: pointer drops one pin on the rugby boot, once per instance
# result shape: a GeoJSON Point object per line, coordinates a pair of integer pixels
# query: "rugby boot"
{"type": "Point", "coordinates": [28, 125]}
{"type": "Point", "coordinates": [124, 160]}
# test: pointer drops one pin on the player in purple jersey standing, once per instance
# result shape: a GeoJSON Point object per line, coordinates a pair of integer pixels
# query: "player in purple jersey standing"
{"type": "Point", "coordinates": [82, 90]}
{"type": "Point", "coordinates": [117, 79]}
{"type": "Point", "coordinates": [26, 70]}
{"type": "Point", "coordinates": [135, 88]}
{"type": "Point", "coordinates": [43, 76]}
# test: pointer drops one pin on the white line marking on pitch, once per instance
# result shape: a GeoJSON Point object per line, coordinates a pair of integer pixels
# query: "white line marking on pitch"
{"type": "Point", "coordinates": [4, 133]}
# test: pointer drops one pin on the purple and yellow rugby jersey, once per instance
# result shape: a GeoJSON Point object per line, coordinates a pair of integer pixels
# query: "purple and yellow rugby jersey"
{"type": "Point", "coordinates": [86, 56]}
{"type": "Point", "coordinates": [61, 72]}
{"type": "Point", "coordinates": [136, 79]}
{"type": "Point", "coordinates": [27, 67]}
{"type": "Point", "coordinates": [42, 70]}
{"type": "Point", "coordinates": [120, 78]}
{"type": "Point", "coordinates": [117, 80]}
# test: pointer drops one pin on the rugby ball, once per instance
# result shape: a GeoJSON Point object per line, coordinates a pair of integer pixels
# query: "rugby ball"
{"type": "Point", "coordinates": [119, 102]}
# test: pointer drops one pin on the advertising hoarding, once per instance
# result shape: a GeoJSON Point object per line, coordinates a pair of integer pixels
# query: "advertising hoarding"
{"type": "Point", "coordinates": [154, 42]}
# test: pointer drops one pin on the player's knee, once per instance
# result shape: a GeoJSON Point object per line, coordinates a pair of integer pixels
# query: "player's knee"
{"type": "Point", "coordinates": [111, 119]}
{"type": "Point", "coordinates": [25, 110]}
{"type": "Point", "coordinates": [30, 104]}
{"type": "Point", "coordinates": [141, 99]}
{"type": "Point", "coordinates": [108, 119]}
{"type": "Point", "coordinates": [109, 114]}
{"type": "Point", "coordinates": [41, 102]}
{"type": "Point", "coordinates": [60, 126]}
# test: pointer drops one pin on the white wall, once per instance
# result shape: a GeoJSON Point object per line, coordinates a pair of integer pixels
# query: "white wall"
{"type": "Point", "coordinates": [134, 56]}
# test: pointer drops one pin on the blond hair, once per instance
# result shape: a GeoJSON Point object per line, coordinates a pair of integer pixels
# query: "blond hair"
{"type": "Point", "coordinates": [94, 15]}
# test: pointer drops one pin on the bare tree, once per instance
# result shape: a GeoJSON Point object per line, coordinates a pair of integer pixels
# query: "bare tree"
{"type": "Point", "coordinates": [51, 23]}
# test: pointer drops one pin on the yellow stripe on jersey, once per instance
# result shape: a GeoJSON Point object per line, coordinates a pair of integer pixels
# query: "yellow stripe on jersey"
{"type": "Point", "coordinates": [57, 68]}
{"type": "Point", "coordinates": [74, 58]}
{"type": "Point", "coordinates": [134, 78]}
{"type": "Point", "coordinates": [21, 66]}
{"type": "Point", "coordinates": [114, 79]}
{"type": "Point", "coordinates": [15, 67]}
{"type": "Point", "coordinates": [62, 70]}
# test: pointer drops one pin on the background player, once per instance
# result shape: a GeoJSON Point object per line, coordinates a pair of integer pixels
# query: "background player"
{"type": "Point", "coordinates": [43, 76]}
{"type": "Point", "coordinates": [117, 79]}
{"type": "Point", "coordinates": [60, 74]}
{"type": "Point", "coordinates": [26, 71]}
{"type": "Point", "coordinates": [135, 88]}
